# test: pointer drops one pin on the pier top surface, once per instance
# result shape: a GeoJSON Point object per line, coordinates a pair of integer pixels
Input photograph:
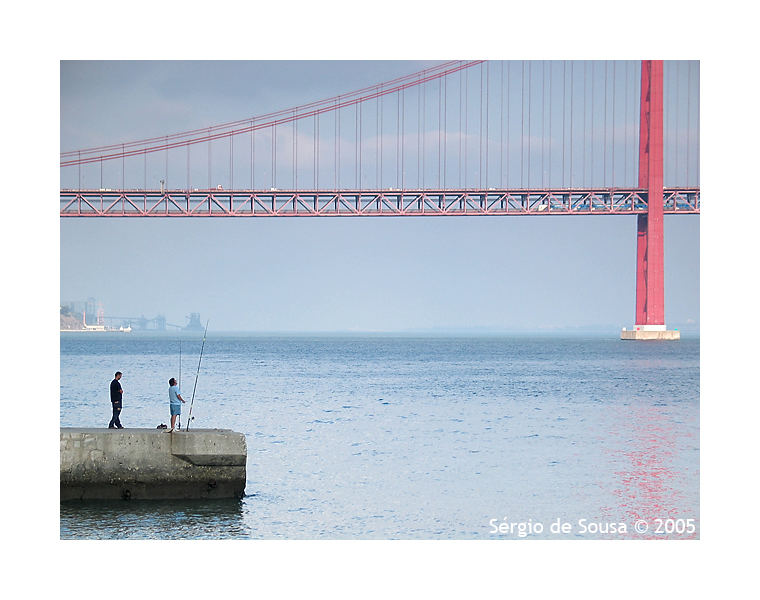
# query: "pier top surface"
{"type": "Point", "coordinates": [135, 430]}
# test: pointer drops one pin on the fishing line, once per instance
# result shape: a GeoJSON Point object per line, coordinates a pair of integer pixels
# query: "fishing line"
{"type": "Point", "coordinates": [190, 415]}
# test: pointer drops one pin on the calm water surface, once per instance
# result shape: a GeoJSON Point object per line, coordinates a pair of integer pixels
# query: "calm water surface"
{"type": "Point", "coordinates": [408, 437]}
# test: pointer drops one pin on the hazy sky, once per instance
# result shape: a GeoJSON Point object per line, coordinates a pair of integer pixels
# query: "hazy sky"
{"type": "Point", "coordinates": [362, 274]}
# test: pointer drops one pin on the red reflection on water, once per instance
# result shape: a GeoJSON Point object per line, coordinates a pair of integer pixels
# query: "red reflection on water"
{"type": "Point", "coordinates": [648, 486]}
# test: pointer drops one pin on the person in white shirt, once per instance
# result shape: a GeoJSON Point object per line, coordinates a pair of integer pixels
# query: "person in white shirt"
{"type": "Point", "coordinates": [175, 402]}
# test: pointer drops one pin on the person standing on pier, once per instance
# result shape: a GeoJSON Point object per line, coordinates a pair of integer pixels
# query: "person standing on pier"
{"type": "Point", "coordinates": [116, 394]}
{"type": "Point", "coordinates": [175, 402]}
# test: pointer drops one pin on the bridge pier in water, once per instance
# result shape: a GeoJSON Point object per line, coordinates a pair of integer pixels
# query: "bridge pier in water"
{"type": "Point", "coordinates": [650, 260]}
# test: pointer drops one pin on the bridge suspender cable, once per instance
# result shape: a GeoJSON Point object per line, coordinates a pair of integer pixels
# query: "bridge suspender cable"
{"type": "Point", "coordinates": [190, 414]}
{"type": "Point", "coordinates": [688, 126]}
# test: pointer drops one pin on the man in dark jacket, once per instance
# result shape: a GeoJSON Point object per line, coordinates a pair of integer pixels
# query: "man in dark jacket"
{"type": "Point", "coordinates": [116, 394]}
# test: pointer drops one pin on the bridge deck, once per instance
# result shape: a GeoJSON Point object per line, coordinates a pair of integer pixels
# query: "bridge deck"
{"type": "Point", "coordinates": [386, 202]}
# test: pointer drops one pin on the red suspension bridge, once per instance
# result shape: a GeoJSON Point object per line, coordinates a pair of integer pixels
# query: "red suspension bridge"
{"type": "Point", "coordinates": [460, 138]}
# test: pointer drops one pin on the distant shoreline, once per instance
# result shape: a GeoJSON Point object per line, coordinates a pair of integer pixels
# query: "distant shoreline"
{"type": "Point", "coordinates": [612, 334]}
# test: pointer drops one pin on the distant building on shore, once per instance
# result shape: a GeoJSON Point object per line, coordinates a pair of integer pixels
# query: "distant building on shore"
{"type": "Point", "coordinates": [194, 324]}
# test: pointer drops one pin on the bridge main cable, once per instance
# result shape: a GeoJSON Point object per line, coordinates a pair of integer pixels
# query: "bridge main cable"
{"type": "Point", "coordinates": [229, 124]}
{"type": "Point", "coordinates": [288, 115]}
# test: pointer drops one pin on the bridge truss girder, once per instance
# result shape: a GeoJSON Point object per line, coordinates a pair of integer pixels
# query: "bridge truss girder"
{"type": "Point", "coordinates": [388, 202]}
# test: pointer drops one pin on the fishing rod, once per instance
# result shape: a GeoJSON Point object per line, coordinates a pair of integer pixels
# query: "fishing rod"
{"type": "Point", "coordinates": [190, 415]}
{"type": "Point", "coordinates": [179, 381]}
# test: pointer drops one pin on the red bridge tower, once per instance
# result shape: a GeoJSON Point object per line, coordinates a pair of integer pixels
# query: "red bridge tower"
{"type": "Point", "coordinates": [650, 263]}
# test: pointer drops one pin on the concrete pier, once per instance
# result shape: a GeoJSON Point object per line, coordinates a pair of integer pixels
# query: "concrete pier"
{"type": "Point", "coordinates": [152, 464]}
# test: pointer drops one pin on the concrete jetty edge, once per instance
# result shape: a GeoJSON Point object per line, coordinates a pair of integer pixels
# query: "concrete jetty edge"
{"type": "Point", "coordinates": [151, 464]}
